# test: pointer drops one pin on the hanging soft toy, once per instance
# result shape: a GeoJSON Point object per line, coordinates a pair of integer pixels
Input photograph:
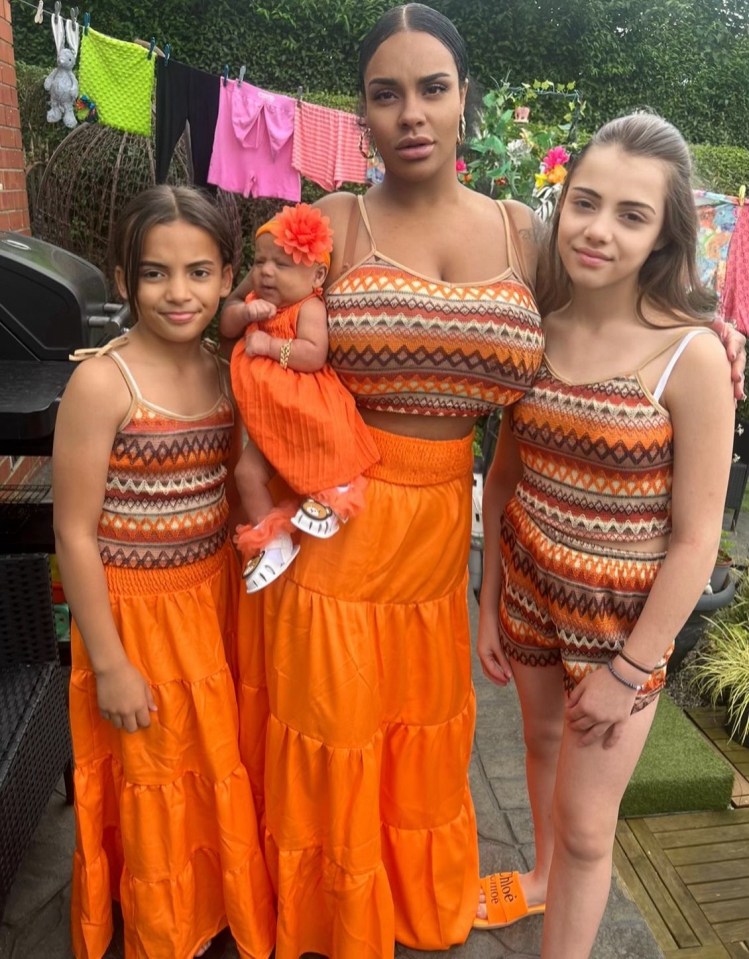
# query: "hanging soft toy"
{"type": "Point", "coordinates": [61, 83]}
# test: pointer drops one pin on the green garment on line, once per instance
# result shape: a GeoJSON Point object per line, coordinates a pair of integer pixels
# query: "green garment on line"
{"type": "Point", "coordinates": [118, 76]}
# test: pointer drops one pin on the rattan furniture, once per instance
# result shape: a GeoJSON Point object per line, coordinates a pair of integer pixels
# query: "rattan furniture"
{"type": "Point", "coordinates": [34, 732]}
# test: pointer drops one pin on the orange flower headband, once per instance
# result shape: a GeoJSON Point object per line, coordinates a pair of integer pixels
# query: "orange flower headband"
{"type": "Point", "coordinates": [302, 232]}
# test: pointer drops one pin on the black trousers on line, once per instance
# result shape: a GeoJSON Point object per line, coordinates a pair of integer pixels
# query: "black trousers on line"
{"type": "Point", "coordinates": [184, 94]}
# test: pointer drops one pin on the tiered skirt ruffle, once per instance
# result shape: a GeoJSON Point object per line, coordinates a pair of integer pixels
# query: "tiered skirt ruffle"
{"type": "Point", "coordinates": [364, 682]}
{"type": "Point", "coordinates": [164, 816]}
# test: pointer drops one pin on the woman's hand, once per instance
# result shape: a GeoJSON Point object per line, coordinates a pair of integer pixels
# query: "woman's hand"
{"type": "Point", "coordinates": [735, 344]}
{"type": "Point", "coordinates": [598, 708]}
{"type": "Point", "coordinates": [124, 697]}
{"type": "Point", "coordinates": [257, 343]}
{"type": "Point", "coordinates": [494, 663]}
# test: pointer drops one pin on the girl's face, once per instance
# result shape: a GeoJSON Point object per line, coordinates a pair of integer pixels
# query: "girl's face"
{"type": "Point", "coordinates": [612, 217]}
{"type": "Point", "coordinates": [277, 278]}
{"type": "Point", "coordinates": [413, 103]}
{"type": "Point", "coordinates": [181, 279]}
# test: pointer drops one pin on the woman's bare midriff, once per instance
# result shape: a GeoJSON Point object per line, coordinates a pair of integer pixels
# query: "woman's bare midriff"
{"type": "Point", "coordinates": [420, 427]}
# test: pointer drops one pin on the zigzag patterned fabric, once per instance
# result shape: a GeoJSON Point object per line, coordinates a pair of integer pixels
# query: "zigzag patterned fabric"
{"type": "Point", "coordinates": [404, 343]}
{"type": "Point", "coordinates": [164, 503]}
{"type": "Point", "coordinates": [597, 459]}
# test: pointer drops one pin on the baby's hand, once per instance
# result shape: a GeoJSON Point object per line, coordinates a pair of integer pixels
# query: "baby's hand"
{"type": "Point", "coordinates": [257, 343]}
{"type": "Point", "coordinates": [124, 698]}
{"type": "Point", "coordinates": [258, 311]}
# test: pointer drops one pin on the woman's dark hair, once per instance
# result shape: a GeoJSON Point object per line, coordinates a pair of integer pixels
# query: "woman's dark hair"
{"type": "Point", "coordinates": [413, 17]}
{"type": "Point", "coordinates": [161, 205]}
{"type": "Point", "coordinates": [669, 277]}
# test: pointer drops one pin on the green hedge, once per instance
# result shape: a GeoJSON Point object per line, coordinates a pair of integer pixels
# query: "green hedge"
{"type": "Point", "coordinates": [721, 169]}
{"type": "Point", "coordinates": [688, 59]}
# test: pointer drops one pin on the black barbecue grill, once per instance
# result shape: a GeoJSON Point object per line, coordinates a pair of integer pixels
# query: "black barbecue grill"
{"type": "Point", "coordinates": [51, 303]}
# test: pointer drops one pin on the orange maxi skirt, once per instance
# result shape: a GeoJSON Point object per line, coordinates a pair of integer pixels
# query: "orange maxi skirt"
{"type": "Point", "coordinates": [164, 816]}
{"type": "Point", "coordinates": [364, 680]}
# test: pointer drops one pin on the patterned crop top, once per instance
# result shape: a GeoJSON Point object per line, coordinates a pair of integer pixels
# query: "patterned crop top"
{"type": "Point", "coordinates": [403, 343]}
{"type": "Point", "coordinates": [164, 501]}
{"type": "Point", "coordinates": [597, 457]}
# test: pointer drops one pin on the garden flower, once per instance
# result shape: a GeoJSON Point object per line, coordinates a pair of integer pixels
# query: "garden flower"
{"type": "Point", "coordinates": [557, 156]}
{"type": "Point", "coordinates": [557, 174]}
{"type": "Point", "coordinates": [460, 166]}
{"type": "Point", "coordinates": [541, 181]}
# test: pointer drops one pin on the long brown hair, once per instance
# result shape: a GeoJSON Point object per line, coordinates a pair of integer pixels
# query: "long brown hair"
{"type": "Point", "coordinates": [160, 205]}
{"type": "Point", "coordinates": [669, 277]}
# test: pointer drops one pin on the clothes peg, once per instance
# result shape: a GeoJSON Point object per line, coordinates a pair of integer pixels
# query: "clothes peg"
{"type": "Point", "coordinates": [742, 194]}
{"type": "Point", "coordinates": [39, 15]}
{"type": "Point", "coordinates": [226, 73]}
{"type": "Point", "coordinates": [167, 53]}
{"type": "Point", "coordinates": [242, 71]}
{"type": "Point", "coordinates": [86, 22]}
{"type": "Point", "coordinates": [152, 44]}
{"type": "Point", "coordinates": [74, 15]}
{"type": "Point", "coordinates": [58, 7]}
{"type": "Point", "coordinates": [299, 93]}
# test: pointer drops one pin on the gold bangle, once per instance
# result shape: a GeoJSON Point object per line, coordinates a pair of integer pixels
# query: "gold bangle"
{"type": "Point", "coordinates": [283, 356]}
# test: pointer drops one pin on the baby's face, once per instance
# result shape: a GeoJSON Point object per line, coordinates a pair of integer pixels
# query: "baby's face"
{"type": "Point", "coordinates": [277, 278]}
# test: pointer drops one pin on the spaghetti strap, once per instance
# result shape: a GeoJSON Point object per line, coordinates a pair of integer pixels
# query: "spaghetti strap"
{"type": "Point", "coordinates": [352, 231]}
{"type": "Point", "coordinates": [363, 211]}
{"type": "Point", "coordinates": [683, 343]}
{"type": "Point", "coordinates": [126, 375]}
{"type": "Point", "coordinates": [515, 258]}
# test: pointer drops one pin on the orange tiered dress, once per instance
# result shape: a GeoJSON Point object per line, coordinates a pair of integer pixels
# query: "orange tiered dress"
{"type": "Point", "coordinates": [305, 424]}
{"type": "Point", "coordinates": [363, 675]}
{"type": "Point", "coordinates": [164, 817]}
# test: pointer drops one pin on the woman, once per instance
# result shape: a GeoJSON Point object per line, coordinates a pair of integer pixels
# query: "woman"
{"type": "Point", "coordinates": [363, 674]}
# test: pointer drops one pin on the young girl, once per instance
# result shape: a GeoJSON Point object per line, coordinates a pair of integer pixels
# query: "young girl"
{"type": "Point", "coordinates": [597, 557]}
{"type": "Point", "coordinates": [301, 422]}
{"type": "Point", "coordinates": [144, 433]}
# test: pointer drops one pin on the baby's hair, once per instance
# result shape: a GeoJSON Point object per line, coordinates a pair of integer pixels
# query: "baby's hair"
{"type": "Point", "coordinates": [669, 278]}
{"type": "Point", "coordinates": [160, 205]}
{"type": "Point", "coordinates": [414, 17]}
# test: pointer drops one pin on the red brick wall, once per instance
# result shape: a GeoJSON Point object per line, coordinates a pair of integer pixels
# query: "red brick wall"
{"type": "Point", "coordinates": [14, 207]}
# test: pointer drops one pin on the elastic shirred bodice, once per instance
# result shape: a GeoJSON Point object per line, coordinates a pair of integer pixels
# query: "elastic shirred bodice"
{"type": "Point", "coordinates": [164, 501]}
{"type": "Point", "coordinates": [404, 343]}
{"type": "Point", "coordinates": [597, 458]}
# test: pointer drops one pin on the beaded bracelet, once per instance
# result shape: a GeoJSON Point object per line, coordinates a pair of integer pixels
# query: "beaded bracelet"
{"type": "Point", "coordinates": [636, 665]}
{"type": "Point", "coordinates": [283, 356]}
{"type": "Point", "coordinates": [638, 688]}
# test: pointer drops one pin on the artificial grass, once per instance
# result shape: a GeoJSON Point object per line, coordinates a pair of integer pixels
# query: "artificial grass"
{"type": "Point", "coordinates": [679, 771]}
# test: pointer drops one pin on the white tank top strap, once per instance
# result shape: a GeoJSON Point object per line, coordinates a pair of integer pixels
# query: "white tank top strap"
{"type": "Point", "coordinates": [683, 343]}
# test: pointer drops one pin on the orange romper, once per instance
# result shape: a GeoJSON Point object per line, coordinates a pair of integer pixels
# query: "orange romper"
{"type": "Point", "coordinates": [305, 424]}
{"type": "Point", "coordinates": [364, 672]}
{"type": "Point", "coordinates": [164, 816]}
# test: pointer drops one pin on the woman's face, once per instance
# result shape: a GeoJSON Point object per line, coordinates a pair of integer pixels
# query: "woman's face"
{"type": "Point", "coordinates": [413, 103]}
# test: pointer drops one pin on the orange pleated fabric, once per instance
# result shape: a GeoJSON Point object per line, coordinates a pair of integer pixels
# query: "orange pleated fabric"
{"type": "Point", "coordinates": [165, 819]}
{"type": "Point", "coordinates": [363, 678]}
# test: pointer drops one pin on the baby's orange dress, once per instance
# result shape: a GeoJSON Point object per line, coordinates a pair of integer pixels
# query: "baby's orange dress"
{"type": "Point", "coordinates": [305, 424]}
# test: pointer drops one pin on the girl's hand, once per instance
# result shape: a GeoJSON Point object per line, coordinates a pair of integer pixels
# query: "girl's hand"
{"type": "Point", "coordinates": [598, 708]}
{"type": "Point", "coordinates": [494, 664]}
{"type": "Point", "coordinates": [258, 311]}
{"type": "Point", "coordinates": [125, 698]}
{"type": "Point", "coordinates": [257, 343]}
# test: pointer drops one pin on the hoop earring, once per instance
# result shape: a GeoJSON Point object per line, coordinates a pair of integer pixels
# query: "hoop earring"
{"type": "Point", "coordinates": [462, 129]}
{"type": "Point", "coordinates": [370, 151]}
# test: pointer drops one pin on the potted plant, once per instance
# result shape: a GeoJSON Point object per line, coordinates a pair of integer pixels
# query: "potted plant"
{"type": "Point", "coordinates": [720, 671]}
{"type": "Point", "coordinates": [718, 594]}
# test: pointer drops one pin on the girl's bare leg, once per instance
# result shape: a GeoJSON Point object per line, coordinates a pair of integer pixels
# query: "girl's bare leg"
{"type": "Point", "coordinates": [590, 784]}
{"type": "Point", "coordinates": [252, 475]}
